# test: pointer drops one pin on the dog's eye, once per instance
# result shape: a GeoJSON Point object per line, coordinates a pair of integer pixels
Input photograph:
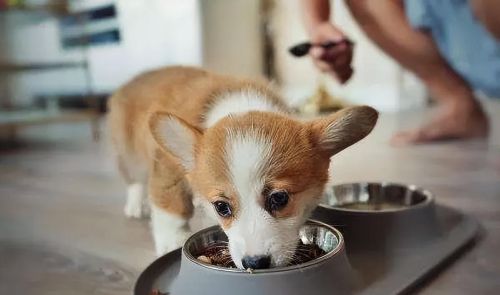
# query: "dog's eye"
{"type": "Point", "coordinates": [276, 201]}
{"type": "Point", "coordinates": [223, 208]}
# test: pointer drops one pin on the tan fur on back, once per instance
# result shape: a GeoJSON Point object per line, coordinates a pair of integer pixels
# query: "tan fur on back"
{"type": "Point", "coordinates": [183, 91]}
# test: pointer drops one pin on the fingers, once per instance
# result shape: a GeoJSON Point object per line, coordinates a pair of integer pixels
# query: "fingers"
{"type": "Point", "coordinates": [339, 55]}
{"type": "Point", "coordinates": [335, 60]}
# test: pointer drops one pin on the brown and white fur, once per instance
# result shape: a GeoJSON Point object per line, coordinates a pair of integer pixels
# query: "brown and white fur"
{"type": "Point", "coordinates": [181, 132]}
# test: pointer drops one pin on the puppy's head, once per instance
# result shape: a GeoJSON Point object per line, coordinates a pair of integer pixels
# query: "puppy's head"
{"type": "Point", "coordinates": [263, 173]}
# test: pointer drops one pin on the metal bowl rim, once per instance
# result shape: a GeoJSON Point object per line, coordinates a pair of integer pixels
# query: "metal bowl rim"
{"type": "Point", "coordinates": [429, 198]}
{"type": "Point", "coordinates": [301, 266]}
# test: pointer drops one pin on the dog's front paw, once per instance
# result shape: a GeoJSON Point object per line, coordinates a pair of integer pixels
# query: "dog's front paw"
{"type": "Point", "coordinates": [170, 242]}
{"type": "Point", "coordinates": [133, 210]}
{"type": "Point", "coordinates": [136, 210]}
{"type": "Point", "coordinates": [135, 206]}
{"type": "Point", "coordinates": [170, 230]}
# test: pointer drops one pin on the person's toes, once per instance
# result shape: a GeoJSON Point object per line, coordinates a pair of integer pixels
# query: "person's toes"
{"type": "Point", "coordinates": [403, 138]}
{"type": "Point", "coordinates": [421, 135]}
{"type": "Point", "coordinates": [433, 133]}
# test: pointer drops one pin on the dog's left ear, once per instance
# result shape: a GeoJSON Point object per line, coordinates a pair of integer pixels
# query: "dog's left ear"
{"type": "Point", "coordinates": [175, 136]}
{"type": "Point", "coordinates": [343, 128]}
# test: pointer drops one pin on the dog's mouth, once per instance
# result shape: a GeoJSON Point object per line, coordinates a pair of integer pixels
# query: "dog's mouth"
{"type": "Point", "coordinates": [218, 254]}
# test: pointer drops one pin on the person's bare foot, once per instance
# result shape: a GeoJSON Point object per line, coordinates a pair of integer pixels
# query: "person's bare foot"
{"type": "Point", "coordinates": [457, 121]}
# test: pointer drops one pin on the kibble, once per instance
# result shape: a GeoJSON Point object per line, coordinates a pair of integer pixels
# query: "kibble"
{"type": "Point", "coordinates": [218, 255]}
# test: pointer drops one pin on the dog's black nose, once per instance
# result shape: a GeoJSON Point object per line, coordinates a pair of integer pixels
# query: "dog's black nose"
{"type": "Point", "coordinates": [256, 262]}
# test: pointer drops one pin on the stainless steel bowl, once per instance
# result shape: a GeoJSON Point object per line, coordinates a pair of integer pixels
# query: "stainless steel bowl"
{"type": "Point", "coordinates": [325, 273]}
{"type": "Point", "coordinates": [380, 215]}
{"type": "Point", "coordinates": [376, 197]}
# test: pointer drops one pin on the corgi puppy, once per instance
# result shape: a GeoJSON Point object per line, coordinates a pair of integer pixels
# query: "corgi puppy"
{"type": "Point", "coordinates": [180, 132]}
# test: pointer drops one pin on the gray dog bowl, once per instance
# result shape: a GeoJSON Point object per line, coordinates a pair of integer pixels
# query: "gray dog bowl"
{"type": "Point", "coordinates": [319, 276]}
{"type": "Point", "coordinates": [391, 249]}
{"type": "Point", "coordinates": [380, 215]}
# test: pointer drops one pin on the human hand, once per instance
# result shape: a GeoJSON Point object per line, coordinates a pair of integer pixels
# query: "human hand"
{"type": "Point", "coordinates": [334, 60]}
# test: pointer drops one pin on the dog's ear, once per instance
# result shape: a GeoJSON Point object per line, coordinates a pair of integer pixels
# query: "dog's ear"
{"type": "Point", "coordinates": [343, 128]}
{"type": "Point", "coordinates": [175, 136]}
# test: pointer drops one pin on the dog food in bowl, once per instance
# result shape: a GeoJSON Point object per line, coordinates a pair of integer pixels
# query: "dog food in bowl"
{"type": "Point", "coordinates": [218, 254]}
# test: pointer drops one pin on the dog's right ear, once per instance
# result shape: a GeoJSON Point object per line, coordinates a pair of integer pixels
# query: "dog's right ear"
{"type": "Point", "coordinates": [343, 128]}
{"type": "Point", "coordinates": [175, 136]}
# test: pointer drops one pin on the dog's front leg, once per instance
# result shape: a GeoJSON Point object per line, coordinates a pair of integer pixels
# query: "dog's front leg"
{"type": "Point", "coordinates": [171, 209]}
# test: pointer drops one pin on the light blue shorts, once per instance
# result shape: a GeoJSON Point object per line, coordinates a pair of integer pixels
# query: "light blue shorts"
{"type": "Point", "coordinates": [463, 41]}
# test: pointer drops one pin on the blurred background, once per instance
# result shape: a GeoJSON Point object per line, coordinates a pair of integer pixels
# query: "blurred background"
{"type": "Point", "coordinates": [62, 227]}
{"type": "Point", "coordinates": [68, 56]}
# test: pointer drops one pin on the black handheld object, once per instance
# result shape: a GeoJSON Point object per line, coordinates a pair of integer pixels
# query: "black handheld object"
{"type": "Point", "coordinates": [302, 49]}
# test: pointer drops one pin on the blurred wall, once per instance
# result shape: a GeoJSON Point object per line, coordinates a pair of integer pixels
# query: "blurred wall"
{"type": "Point", "coordinates": [232, 38]}
{"type": "Point", "coordinates": [378, 80]}
{"type": "Point", "coordinates": [223, 35]}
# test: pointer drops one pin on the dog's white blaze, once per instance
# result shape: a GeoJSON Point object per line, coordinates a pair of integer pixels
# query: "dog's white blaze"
{"type": "Point", "coordinates": [246, 156]}
{"type": "Point", "coordinates": [254, 231]}
{"type": "Point", "coordinates": [238, 103]}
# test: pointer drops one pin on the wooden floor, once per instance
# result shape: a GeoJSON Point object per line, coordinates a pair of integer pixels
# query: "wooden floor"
{"type": "Point", "coordinates": [62, 230]}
